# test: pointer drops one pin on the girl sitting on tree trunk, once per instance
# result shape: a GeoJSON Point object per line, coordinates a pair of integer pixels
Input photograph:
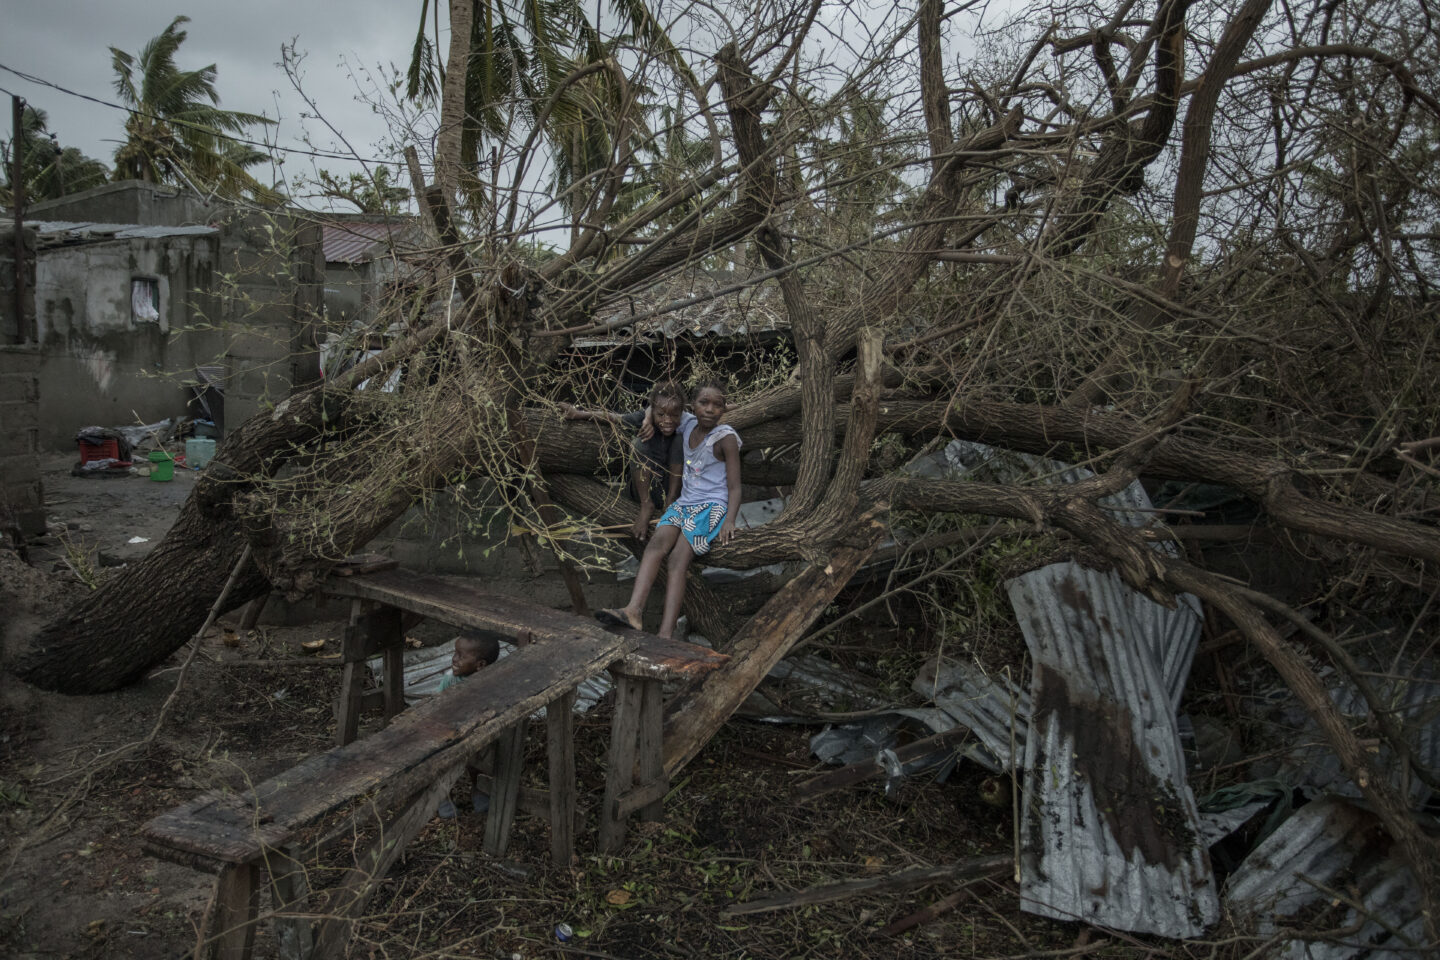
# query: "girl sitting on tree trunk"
{"type": "Point", "coordinates": [704, 513]}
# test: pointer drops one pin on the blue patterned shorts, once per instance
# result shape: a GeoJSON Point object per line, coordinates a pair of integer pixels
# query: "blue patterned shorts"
{"type": "Point", "coordinates": [698, 523]}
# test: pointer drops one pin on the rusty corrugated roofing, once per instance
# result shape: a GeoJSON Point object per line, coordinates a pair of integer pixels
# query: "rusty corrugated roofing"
{"type": "Point", "coordinates": [358, 241]}
{"type": "Point", "coordinates": [1109, 830]}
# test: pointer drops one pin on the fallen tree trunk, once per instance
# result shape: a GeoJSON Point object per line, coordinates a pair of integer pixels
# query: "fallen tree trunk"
{"type": "Point", "coordinates": [149, 609]}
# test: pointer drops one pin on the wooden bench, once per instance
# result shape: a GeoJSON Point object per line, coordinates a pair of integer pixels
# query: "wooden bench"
{"type": "Point", "coordinates": [395, 778]}
{"type": "Point", "coordinates": [392, 780]}
{"type": "Point", "coordinates": [635, 777]}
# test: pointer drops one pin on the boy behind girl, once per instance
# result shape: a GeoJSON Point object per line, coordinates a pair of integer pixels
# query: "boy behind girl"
{"type": "Point", "coordinates": [655, 478]}
{"type": "Point", "coordinates": [473, 650]}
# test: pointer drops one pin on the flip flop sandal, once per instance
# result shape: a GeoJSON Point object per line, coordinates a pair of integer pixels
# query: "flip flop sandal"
{"type": "Point", "coordinates": [612, 618]}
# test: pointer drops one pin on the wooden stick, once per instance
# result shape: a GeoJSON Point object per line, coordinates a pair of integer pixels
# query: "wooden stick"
{"type": "Point", "coordinates": [972, 869]}
{"type": "Point", "coordinates": [926, 914]}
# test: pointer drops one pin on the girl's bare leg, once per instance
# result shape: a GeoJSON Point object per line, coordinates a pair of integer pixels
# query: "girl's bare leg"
{"type": "Point", "coordinates": [660, 543]}
{"type": "Point", "coordinates": [679, 562]}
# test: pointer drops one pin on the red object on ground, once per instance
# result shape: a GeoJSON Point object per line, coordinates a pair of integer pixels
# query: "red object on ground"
{"type": "Point", "coordinates": [104, 450]}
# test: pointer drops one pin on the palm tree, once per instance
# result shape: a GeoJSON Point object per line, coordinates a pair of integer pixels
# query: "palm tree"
{"type": "Point", "coordinates": [177, 132]}
{"type": "Point", "coordinates": [519, 51]}
{"type": "Point", "coordinates": [49, 170]}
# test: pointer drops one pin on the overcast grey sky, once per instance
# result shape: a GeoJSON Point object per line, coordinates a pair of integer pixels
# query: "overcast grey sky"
{"type": "Point", "coordinates": [67, 42]}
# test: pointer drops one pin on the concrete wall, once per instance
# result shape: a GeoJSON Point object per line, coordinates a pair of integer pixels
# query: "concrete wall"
{"type": "Point", "coordinates": [20, 490]}
{"type": "Point", "coordinates": [246, 299]}
{"type": "Point", "coordinates": [270, 298]}
{"type": "Point", "coordinates": [20, 493]}
{"type": "Point", "coordinates": [13, 329]}
{"type": "Point", "coordinates": [130, 201]}
{"type": "Point", "coordinates": [103, 366]}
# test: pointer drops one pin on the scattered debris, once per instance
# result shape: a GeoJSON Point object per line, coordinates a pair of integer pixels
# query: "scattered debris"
{"type": "Point", "coordinates": [894, 763]}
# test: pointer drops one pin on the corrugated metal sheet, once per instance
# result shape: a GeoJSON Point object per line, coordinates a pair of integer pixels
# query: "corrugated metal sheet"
{"type": "Point", "coordinates": [693, 310]}
{"type": "Point", "coordinates": [1173, 633]}
{"type": "Point", "coordinates": [1328, 868]}
{"type": "Point", "coordinates": [1411, 694]}
{"type": "Point", "coordinates": [51, 233]}
{"type": "Point", "coordinates": [1109, 833]}
{"type": "Point", "coordinates": [993, 707]}
{"type": "Point", "coordinates": [361, 241]}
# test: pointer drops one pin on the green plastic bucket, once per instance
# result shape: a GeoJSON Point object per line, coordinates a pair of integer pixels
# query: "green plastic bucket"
{"type": "Point", "coordinates": [162, 466]}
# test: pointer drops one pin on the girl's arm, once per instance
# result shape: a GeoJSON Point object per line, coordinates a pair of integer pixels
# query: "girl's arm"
{"type": "Point", "coordinates": [677, 473]}
{"type": "Point", "coordinates": [729, 449]}
{"type": "Point", "coordinates": [640, 476]}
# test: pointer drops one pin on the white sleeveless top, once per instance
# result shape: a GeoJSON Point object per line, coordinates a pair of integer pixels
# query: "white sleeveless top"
{"type": "Point", "coordinates": [703, 476]}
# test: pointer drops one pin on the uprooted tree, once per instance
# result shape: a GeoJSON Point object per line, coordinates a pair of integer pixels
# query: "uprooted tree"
{"type": "Point", "coordinates": [1180, 240]}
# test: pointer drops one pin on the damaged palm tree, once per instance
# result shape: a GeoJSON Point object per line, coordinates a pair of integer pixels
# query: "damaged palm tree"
{"type": "Point", "coordinates": [1044, 263]}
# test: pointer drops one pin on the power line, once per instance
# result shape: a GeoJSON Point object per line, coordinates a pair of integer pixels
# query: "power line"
{"type": "Point", "coordinates": [324, 155]}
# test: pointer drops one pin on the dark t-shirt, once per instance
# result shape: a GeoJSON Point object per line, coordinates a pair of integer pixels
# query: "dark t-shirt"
{"type": "Point", "coordinates": [657, 453]}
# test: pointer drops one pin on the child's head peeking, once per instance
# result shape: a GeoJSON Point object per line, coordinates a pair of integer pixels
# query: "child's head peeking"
{"type": "Point", "coordinates": [667, 402]}
{"type": "Point", "coordinates": [473, 651]}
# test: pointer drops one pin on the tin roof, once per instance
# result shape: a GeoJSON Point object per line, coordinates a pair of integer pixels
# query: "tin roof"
{"type": "Point", "coordinates": [359, 241]}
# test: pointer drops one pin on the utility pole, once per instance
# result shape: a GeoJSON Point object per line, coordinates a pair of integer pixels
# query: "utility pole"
{"type": "Point", "coordinates": [17, 198]}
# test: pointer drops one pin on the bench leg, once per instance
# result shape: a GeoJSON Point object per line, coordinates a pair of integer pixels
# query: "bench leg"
{"type": "Point", "coordinates": [348, 899]}
{"type": "Point", "coordinates": [652, 754]}
{"type": "Point", "coordinates": [394, 665]}
{"type": "Point", "coordinates": [352, 682]}
{"type": "Point", "coordinates": [509, 756]}
{"type": "Point", "coordinates": [620, 767]}
{"type": "Point", "coordinates": [560, 742]}
{"type": "Point", "coordinates": [228, 930]}
{"type": "Point", "coordinates": [289, 891]}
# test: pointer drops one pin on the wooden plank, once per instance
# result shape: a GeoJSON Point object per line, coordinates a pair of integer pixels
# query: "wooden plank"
{"type": "Point", "coordinates": [228, 931]}
{"type": "Point", "coordinates": [532, 800]}
{"type": "Point", "coordinates": [652, 759]}
{"type": "Point", "coordinates": [463, 602]}
{"type": "Point", "coordinates": [644, 795]}
{"type": "Point", "coordinates": [393, 683]}
{"type": "Point", "coordinates": [693, 716]}
{"type": "Point", "coordinates": [372, 633]}
{"type": "Point", "coordinates": [971, 869]}
{"type": "Point", "coordinates": [363, 563]}
{"type": "Point", "coordinates": [389, 765]}
{"type": "Point", "coordinates": [347, 707]}
{"type": "Point", "coordinates": [666, 658]}
{"type": "Point", "coordinates": [619, 772]}
{"type": "Point", "coordinates": [349, 704]}
{"type": "Point", "coordinates": [509, 764]}
{"type": "Point", "coordinates": [560, 750]}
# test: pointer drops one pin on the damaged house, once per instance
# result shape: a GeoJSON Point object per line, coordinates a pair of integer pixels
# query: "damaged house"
{"type": "Point", "coordinates": [145, 296]}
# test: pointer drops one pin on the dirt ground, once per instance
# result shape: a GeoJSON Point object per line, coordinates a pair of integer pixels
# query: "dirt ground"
{"type": "Point", "coordinates": [74, 881]}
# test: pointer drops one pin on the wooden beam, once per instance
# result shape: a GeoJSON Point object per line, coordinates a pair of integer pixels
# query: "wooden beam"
{"type": "Point", "coordinates": [560, 750]}
{"type": "Point", "coordinates": [693, 717]}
